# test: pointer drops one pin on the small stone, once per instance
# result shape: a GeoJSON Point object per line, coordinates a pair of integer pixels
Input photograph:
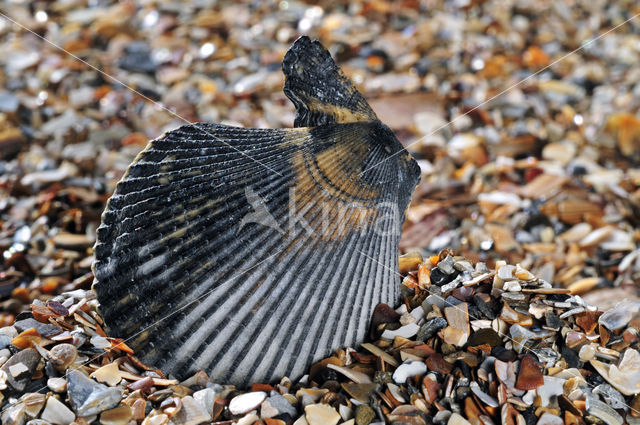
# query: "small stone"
{"type": "Point", "coordinates": [430, 388]}
{"type": "Point", "coordinates": [458, 330]}
{"type": "Point", "coordinates": [506, 272]}
{"type": "Point", "coordinates": [58, 385]}
{"type": "Point", "coordinates": [247, 402]}
{"type": "Point", "coordinates": [439, 278]}
{"type": "Point", "coordinates": [9, 102]}
{"type": "Point", "coordinates": [485, 336]}
{"type": "Point", "coordinates": [72, 241]}
{"type": "Point", "coordinates": [437, 363]}
{"type": "Point", "coordinates": [206, 397]}
{"type": "Point", "coordinates": [277, 405]}
{"type": "Point", "coordinates": [57, 413]}
{"type": "Point", "coordinates": [158, 419]}
{"type": "Point", "coordinates": [44, 329]}
{"type": "Point", "coordinates": [62, 356]}
{"type": "Point", "coordinates": [395, 392]}
{"type": "Point", "coordinates": [505, 373]}
{"type": "Point", "coordinates": [524, 274]}
{"type": "Point", "coordinates": [408, 369]}
{"type": "Point", "coordinates": [457, 419]}
{"type": "Point", "coordinates": [33, 402]}
{"type": "Point", "coordinates": [24, 361]}
{"type": "Point", "coordinates": [530, 375]}
{"type": "Point", "coordinates": [321, 414]}
{"type": "Point", "coordinates": [446, 265]}
{"type": "Point", "coordinates": [137, 58]}
{"type": "Point", "coordinates": [559, 151]}
{"type": "Point", "coordinates": [18, 369]}
{"type": "Point", "coordinates": [27, 338]}
{"type": "Point", "coordinates": [108, 374]}
{"type": "Point", "coordinates": [409, 261]}
{"type": "Point", "coordinates": [406, 331]}
{"type": "Point", "coordinates": [100, 342]}
{"type": "Point", "coordinates": [360, 392]}
{"type": "Point", "coordinates": [511, 286]}
{"type": "Point", "coordinates": [587, 352]}
{"type": "Point", "coordinates": [364, 415]}
{"type": "Point", "coordinates": [310, 395]}
{"type": "Point", "coordinates": [430, 328]}
{"type": "Point", "coordinates": [382, 314]}
{"type": "Point", "coordinates": [138, 409]}
{"type": "Point", "coordinates": [13, 415]}
{"type": "Point", "coordinates": [88, 397]}
{"type": "Point", "coordinates": [407, 318]}
{"type": "Point", "coordinates": [549, 419]}
{"type": "Point", "coordinates": [191, 413]}
{"type": "Point", "coordinates": [120, 415]}
{"type": "Point", "coordinates": [5, 341]}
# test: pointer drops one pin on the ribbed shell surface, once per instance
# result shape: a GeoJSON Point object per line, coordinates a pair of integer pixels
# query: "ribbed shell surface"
{"type": "Point", "coordinates": [252, 253]}
{"type": "Point", "coordinates": [191, 289]}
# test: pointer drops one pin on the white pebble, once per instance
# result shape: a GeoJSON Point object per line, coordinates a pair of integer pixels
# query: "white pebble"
{"type": "Point", "coordinates": [408, 369]}
{"type": "Point", "coordinates": [406, 331]}
{"type": "Point", "coordinates": [245, 403]}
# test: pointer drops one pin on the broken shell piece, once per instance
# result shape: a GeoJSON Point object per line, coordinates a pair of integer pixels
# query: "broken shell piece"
{"type": "Point", "coordinates": [108, 374]}
{"type": "Point", "coordinates": [625, 377]}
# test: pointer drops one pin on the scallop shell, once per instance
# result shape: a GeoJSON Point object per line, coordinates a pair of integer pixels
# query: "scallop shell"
{"type": "Point", "coordinates": [251, 253]}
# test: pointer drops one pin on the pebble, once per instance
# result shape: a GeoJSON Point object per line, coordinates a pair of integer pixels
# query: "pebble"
{"type": "Point", "coordinates": [430, 328]}
{"type": "Point", "coordinates": [364, 415]}
{"type": "Point", "coordinates": [88, 397]}
{"type": "Point", "coordinates": [407, 370]}
{"type": "Point", "coordinates": [321, 414]}
{"type": "Point", "coordinates": [56, 413]}
{"type": "Point", "coordinates": [206, 397]}
{"type": "Point", "coordinates": [276, 405]}
{"type": "Point", "coordinates": [191, 413]}
{"type": "Point", "coordinates": [20, 368]}
{"type": "Point", "coordinates": [406, 331]}
{"type": "Point", "coordinates": [247, 402]}
{"type": "Point", "coordinates": [458, 330]}
{"type": "Point", "coordinates": [45, 329]}
{"type": "Point", "coordinates": [530, 375]}
{"type": "Point", "coordinates": [549, 419]}
{"type": "Point", "coordinates": [62, 356]}
{"type": "Point", "coordinates": [120, 415]}
{"type": "Point", "coordinates": [108, 374]}
{"type": "Point", "coordinates": [14, 415]}
{"type": "Point", "coordinates": [58, 385]}
{"type": "Point", "coordinates": [9, 102]}
{"type": "Point", "coordinates": [360, 392]}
